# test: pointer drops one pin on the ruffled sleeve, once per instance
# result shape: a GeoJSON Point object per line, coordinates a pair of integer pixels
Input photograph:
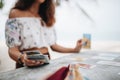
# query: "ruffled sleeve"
{"type": "Point", "coordinates": [12, 33]}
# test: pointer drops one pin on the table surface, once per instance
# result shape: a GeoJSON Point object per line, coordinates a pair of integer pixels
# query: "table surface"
{"type": "Point", "coordinates": [100, 72]}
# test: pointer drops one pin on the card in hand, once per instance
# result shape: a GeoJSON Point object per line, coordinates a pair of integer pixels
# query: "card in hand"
{"type": "Point", "coordinates": [86, 41]}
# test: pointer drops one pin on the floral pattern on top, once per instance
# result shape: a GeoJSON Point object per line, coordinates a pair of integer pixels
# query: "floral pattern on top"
{"type": "Point", "coordinates": [27, 33]}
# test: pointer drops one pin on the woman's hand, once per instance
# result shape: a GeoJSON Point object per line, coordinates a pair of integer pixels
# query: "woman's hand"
{"type": "Point", "coordinates": [30, 63]}
{"type": "Point", "coordinates": [62, 49]}
{"type": "Point", "coordinates": [78, 46]}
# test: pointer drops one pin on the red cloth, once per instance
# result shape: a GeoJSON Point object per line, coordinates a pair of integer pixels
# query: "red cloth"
{"type": "Point", "coordinates": [60, 74]}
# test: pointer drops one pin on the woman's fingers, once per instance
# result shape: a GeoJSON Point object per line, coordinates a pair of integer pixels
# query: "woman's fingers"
{"type": "Point", "coordinates": [79, 44]}
{"type": "Point", "coordinates": [80, 41]}
{"type": "Point", "coordinates": [33, 62]}
{"type": "Point", "coordinates": [29, 62]}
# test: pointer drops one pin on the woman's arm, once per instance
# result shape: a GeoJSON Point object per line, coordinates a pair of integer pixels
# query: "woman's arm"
{"type": "Point", "coordinates": [14, 53]}
{"type": "Point", "coordinates": [62, 49]}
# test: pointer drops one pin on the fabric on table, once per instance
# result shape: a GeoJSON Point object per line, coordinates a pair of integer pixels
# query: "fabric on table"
{"type": "Point", "coordinates": [67, 73]}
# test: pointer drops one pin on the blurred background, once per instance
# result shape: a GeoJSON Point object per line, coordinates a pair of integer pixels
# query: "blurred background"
{"type": "Point", "coordinates": [100, 18]}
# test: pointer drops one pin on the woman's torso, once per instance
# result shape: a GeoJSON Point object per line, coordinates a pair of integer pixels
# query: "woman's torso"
{"type": "Point", "coordinates": [29, 34]}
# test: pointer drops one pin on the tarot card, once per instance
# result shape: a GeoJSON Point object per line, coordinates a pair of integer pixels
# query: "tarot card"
{"type": "Point", "coordinates": [86, 41]}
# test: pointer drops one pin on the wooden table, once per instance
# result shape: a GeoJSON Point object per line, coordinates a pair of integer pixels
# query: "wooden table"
{"type": "Point", "coordinates": [100, 72]}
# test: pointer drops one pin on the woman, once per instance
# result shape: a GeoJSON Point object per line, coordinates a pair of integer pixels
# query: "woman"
{"type": "Point", "coordinates": [30, 27]}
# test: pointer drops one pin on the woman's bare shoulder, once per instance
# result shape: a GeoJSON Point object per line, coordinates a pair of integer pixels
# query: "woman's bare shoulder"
{"type": "Point", "coordinates": [15, 13]}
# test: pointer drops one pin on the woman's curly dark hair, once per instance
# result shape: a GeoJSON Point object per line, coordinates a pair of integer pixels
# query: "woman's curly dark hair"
{"type": "Point", "coordinates": [46, 9]}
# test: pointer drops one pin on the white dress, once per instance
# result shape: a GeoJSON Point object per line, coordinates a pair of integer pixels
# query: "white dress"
{"type": "Point", "coordinates": [27, 33]}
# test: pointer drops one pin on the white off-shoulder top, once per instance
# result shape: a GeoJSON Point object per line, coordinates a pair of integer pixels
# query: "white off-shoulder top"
{"type": "Point", "coordinates": [27, 33]}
